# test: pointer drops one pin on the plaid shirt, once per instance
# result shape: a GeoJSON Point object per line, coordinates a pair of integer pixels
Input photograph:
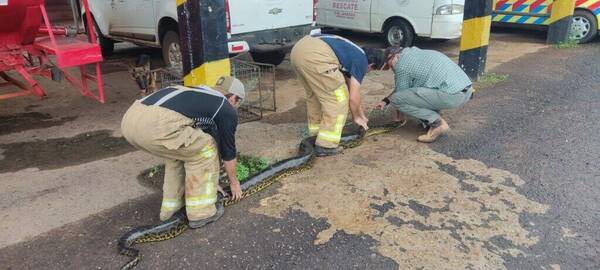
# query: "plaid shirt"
{"type": "Point", "coordinates": [429, 69]}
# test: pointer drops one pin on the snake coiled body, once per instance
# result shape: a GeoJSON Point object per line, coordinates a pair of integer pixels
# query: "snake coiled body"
{"type": "Point", "coordinates": [178, 223]}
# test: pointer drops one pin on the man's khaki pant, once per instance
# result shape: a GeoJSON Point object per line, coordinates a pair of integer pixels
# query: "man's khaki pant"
{"type": "Point", "coordinates": [191, 158]}
{"type": "Point", "coordinates": [317, 68]}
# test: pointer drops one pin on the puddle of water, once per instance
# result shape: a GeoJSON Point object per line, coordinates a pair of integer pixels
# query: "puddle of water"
{"type": "Point", "coordinates": [62, 152]}
{"type": "Point", "coordinates": [30, 120]}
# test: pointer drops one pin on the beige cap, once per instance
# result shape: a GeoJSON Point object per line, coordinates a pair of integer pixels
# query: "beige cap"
{"type": "Point", "coordinates": [231, 85]}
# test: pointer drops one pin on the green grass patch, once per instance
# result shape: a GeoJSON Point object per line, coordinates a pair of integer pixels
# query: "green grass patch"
{"type": "Point", "coordinates": [488, 79]}
{"type": "Point", "coordinates": [249, 165]}
{"type": "Point", "coordinates": [493, 78]}
{"type": "Point", "coordinates": [303, 133]}
{"type": "Point", "coordinates": [569, 44]}
{"type": "Point", "coordinates": [155, 170]}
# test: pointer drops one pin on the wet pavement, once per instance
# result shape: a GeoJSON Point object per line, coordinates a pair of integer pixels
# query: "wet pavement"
{"type": "Point", "coordinates": [59, 153]}
{"type": "Point", "coordinates": [542, 124]}
{"type": "Point", "coordinates": [513, 186]}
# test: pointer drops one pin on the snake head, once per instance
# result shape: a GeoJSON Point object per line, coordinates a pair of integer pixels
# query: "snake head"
{"type": "Point", "coordinates": [362, 131]}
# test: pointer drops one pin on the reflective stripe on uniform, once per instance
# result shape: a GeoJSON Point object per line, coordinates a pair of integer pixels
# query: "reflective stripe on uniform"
{"type": "Point", "coordinates": [335, 135]}
{"type": "Point", "coordinates": [208, 151]}
{"type": "Point", "coordinates": [171, 204]}
{"type": "Point", "coordinates": [208, 195]}
{"type": "Point", "coordinates": [313, 128]}
{"type": "Point", "coordinates": [329, 136]}
{"type": "Point", "coordinates": [200, 201]}
{"type": "Point", "coordinates": [209, 183]}
{"type": "Point", "coordinates": [339, 123]}
{"type": "Point", "coordinates": [341, 94]}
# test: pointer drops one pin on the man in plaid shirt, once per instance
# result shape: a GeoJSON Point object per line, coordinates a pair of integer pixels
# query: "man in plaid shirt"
{"type": "Point", "coordinates": [426, 82]}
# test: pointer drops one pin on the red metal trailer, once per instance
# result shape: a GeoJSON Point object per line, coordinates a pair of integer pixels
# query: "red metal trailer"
{"type": "Point", "coordinates": [31, 45]}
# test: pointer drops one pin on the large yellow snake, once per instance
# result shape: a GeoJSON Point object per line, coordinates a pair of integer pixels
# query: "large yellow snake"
{"type": "Point", "coordinates": [177, 224]}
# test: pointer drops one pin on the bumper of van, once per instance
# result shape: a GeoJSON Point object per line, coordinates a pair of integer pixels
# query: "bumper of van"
{"type": "Point", "coordinates": [446, 26]}
{"type": "Point", "coordinates": [273, 39]}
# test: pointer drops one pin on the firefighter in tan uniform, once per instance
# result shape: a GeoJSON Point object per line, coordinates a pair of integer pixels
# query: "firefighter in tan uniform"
{"type": "Point", "coordinates": [190, 127]}
{"type": "Point", "coordinates": [332, 69]}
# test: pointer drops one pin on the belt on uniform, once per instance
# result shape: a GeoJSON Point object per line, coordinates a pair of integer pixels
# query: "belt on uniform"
{"type": "Point", "coordinates": [466, 89]}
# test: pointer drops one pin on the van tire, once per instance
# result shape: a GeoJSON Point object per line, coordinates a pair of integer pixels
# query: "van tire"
{"type": "Point", "coordinates": [274, 57]}
{"type": "Point", "coordinates": [582, 20]}
{"type": "Point", "coordinates": [397, 27]}
{"type": "Point", "coordinates": [171, 50]}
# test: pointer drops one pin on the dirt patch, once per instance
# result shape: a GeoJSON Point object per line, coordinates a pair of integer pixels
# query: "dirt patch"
{"type": "Point", "coordinates": [152, 177]}
{"type": "Point", "coordinates": [294, 115]}
{"type": "Point", "coordinates": [414, 203]}
{"type": "Point", "coordinates": [284, 74]}
{"type": "Point", "coordinates": [30, 120]}
{"type": "Point", "coordinates": [61, 152]}
{"type": "Point", "coordinates": [114, 67]}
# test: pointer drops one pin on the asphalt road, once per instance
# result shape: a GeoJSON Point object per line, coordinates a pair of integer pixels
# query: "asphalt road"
{"type": "Point", "coordinates": [542, 124]}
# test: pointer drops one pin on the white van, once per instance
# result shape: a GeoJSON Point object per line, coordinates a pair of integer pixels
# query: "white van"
{"type": "Point", "coordinates": [267, 28]}
{"type": "Point", "coordinates": [399, 20]}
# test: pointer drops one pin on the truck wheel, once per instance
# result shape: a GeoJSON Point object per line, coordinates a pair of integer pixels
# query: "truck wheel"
{"type": "Point", "coordinates": [584, 26]}
{"type": "Point", "coordinates": [399, 33]}
{"type": "Point", "coordinates": [171, 50]}
{"type": "Point", "coordinates": [274, 58]}
{"type": "Point", "coordinates": [107, 46]}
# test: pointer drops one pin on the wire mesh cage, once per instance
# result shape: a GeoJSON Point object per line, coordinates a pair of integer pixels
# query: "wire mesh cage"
{"type": "Point", "coordinates": [258, 79]}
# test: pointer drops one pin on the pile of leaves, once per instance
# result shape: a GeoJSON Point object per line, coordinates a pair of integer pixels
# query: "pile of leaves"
{"type": "Point", "coordinates": [250, 165]}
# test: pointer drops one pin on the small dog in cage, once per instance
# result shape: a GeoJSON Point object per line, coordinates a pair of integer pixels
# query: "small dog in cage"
{"type": "Point", "coordinates": [143, 75]}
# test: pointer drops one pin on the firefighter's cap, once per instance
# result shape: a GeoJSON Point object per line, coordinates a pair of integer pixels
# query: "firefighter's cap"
{"type": "Point", "coordinates": [231, 85]}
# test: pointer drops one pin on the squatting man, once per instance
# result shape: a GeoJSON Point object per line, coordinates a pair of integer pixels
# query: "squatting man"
{"type": "Point", "coordinates": [190, 127]}
{"type": "Point", "coordinates": [427, 82]}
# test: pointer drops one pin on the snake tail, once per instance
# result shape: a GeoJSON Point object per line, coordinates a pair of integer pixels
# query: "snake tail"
{"type": "Point", "coordinates": [165, 230]}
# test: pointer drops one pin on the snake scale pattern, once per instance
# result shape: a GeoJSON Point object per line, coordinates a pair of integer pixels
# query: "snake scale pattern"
{"type": "Point", "coordinates": [178, 223]}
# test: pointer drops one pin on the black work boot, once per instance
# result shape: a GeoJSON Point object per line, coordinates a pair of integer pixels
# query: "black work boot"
{"type": "Point", "coordinates": [324, 151]}
{"type": "Point", "coordinates": [194, 224]}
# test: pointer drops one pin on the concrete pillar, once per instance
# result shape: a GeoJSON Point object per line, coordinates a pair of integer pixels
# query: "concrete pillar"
{"type": "Point", "coordinates": [475, 37]}
{"type": "Point", "coordinates": [203, 39]}
{"type": "Point", "coordinates": [560, 21]}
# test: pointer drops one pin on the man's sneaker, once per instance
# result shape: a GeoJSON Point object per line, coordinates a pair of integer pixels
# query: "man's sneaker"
{"type": "Point", "coordinates": [324, 151]}
{"type": "Point", "coordinates": [434, 132]}
{"type": "Point", "coordinates": [194, 224]}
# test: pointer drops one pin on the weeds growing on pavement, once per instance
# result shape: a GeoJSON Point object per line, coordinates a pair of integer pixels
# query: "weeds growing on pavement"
{"type": "Point", "coordinates": [493, 78]}
{"type": "Point", "coordinates": [303, 133]}
{"type": "Point", "coordinates": [488, 79]}
{"type": "Point", "coordinates": [250, 165]}
{"type": "Point", "coordinates": [155, 170]}
{"type": "Point", "coordinates": [569, 44]}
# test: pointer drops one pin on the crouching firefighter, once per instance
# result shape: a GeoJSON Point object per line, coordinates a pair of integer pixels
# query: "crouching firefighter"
{"type": "Point", "coordinates": [332, 69]}
{"type": "Point", "coordinates": [190, 127]}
